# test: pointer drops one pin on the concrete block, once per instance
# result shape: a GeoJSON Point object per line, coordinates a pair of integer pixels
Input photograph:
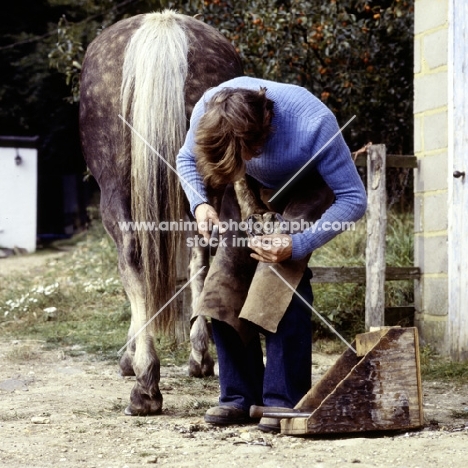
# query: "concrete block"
{"type": "Point", "coordinates": [418, 135]}
{"type": "Point", "coordinates": [429, 14]}
{"type": "Point", "coordinates": [432, 173]}
{"type": "Point", "coordinates": [435, 212]}
{"type": "Point", "coordinates": [430, 254]}
{"type": "Point", "coordinates": [435, 296]}
{"type": "Point", "coordinates": [436, 131]}
{"type": "Point", "coordinates": [433, 334]}
{"type": "Point", "coordinates": [430, 91]}
{"type": "Point", "coordinates": [435, 49]}
{"type": "Point", "coordinates": [417, 66]}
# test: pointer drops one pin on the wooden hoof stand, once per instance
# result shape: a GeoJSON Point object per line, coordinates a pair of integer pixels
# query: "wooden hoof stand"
{"type": "Point", "coordinates": [377, 388]}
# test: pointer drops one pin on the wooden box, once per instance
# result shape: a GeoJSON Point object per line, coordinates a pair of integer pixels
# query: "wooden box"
{"type": "Point", "coordinates": [376, 388]}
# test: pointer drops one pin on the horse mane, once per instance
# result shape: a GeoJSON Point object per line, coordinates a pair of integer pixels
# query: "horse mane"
{"type": "Point", "coordinates": [152, 102]}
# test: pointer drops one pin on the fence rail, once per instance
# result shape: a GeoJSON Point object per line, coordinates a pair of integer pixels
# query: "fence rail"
{"type": "Point", "coordinates": [358, 274]}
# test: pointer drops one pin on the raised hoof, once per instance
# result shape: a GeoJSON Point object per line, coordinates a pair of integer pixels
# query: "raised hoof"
{"type": "Point", "coordinates": [205, 368]}
{"type": "Point", "coordinates": [126, 368]}
{"type": "Point", "coordinates": [142, 405]}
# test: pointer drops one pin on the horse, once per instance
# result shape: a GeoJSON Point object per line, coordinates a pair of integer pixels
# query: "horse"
{"type": "Point", "coordinates": [140, 80]}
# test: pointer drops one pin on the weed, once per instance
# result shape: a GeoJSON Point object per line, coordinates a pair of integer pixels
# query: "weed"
{"type": "Point", "coordinates": [75, 300]}
{"type": "Point", "coordinates": [11, 416]}
{"type": "Point", "coordinates": [147, 454]}
{"type": "Point", "coordinates": [444, 370]}
{"type": "Point", "coordinates": [139, 422]}
{"type": "Point", "coordinates": [196, 407]}
{"type": "Point", "coordinates": [171, 352]}
{"type": "Point", "coordinates": [462, 414]}
{"type": "Point", "coordinates": [22, 353]}
{"type": "Point", "coordinates": [117, 407]}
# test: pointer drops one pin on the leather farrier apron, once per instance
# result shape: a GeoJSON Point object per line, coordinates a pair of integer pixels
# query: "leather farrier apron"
{"type": "Point", "coordinates": [242, 291]}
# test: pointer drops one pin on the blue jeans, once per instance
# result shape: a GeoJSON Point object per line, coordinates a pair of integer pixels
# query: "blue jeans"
{"type": "Point", "coordinates": [286, 377]}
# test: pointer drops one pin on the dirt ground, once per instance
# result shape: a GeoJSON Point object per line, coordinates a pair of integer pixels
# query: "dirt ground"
{"type": "Point", "coordinates": [57, 410]}
{"type": "Point", "coordinates": [65, 408]}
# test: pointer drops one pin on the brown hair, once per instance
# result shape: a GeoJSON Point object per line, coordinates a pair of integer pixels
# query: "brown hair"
{"type": "Point", "coordinates": [236, 123]}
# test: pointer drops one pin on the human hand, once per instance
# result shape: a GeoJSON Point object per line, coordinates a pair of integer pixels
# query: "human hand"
{"type": "Point", "coordinates": [273, 248]}
{"type": "Point", "coordinates": [206, 217]}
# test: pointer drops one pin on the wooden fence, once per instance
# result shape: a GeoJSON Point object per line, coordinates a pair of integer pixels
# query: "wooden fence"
{"type": "Point", "coordinates": [376, 272]}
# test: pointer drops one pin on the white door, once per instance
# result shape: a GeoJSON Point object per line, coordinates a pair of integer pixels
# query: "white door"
{"type": "Point", "coordinates": [18, 198]}
{"type": "Point", "coordinates": [457, 338]}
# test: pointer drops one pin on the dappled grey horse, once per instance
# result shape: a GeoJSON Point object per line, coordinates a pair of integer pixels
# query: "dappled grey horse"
{"type": "Point", "coordinates": [140, 80]}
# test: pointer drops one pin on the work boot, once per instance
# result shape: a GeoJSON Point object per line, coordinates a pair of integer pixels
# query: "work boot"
{"type": "Point", "coordinates": [226, 415]}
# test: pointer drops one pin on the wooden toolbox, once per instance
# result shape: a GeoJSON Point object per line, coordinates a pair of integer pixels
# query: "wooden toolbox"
{"type": "Point", "coordinates": [376, 388]}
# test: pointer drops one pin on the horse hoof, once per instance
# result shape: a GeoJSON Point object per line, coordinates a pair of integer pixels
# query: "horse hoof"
{"type": "Point", "coordinates": [141, 404]}
{"type": "Point", "coordinates": [205, 368]}
{"type": "Point", "coordinates": [148, 410]}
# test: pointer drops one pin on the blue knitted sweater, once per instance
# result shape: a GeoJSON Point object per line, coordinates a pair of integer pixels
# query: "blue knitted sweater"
{"type": "Point", "coordinates": [303, 128]}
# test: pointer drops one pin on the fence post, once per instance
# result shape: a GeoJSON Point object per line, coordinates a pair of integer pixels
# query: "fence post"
{"type": "Point", "coordinates": [376, 230]}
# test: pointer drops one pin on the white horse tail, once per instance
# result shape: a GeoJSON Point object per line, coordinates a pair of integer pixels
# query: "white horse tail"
{"type": "Point", "coordinates": [152, 95]}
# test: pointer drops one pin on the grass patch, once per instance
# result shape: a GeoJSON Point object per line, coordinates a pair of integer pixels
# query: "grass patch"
{"type": "Point", "coordinates": [433, 367]}
{"type": "Point", "coordinates": [12, 415]}
{"type": "Point", "coordinates": [22, 353]}
{"type": "Point", "coordinates": [77, 302]}
{"type": "Point", "coordinates": [193, 407]}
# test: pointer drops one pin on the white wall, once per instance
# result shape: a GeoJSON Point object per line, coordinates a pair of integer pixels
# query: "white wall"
{"type": "Point", "coordinates": [18, 198]}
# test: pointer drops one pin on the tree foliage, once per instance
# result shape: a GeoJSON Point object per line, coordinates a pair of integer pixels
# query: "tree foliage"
{"type": "Point", "coordinates": [355, 55]}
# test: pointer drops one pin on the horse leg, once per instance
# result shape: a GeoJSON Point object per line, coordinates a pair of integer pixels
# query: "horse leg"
{"type": "Point", "coordinates": [145, 397]}
{"type": "Point", "coordinates": [140, 358]}
{"type": "Point", "coordinates": [254, 211]}
{"type": "Point", "coordinates": [201, 364]}
{"type": "Point", "coordinates": [249, 204]}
